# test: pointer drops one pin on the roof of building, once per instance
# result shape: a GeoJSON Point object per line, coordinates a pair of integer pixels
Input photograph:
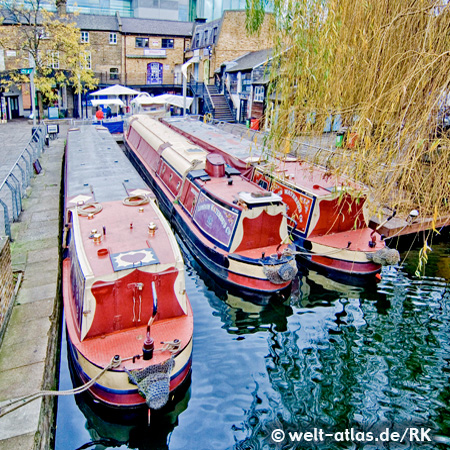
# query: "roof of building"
{"type": "Point", "coordinates": [96, 23]}
{"type": "Point", "coordinates": [157, 27]}
{"type": "Point", "coordinates": [250, 60]}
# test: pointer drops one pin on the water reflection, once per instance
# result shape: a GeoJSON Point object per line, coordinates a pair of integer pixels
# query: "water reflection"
{"type": "Point", "coordinates": [359, 363]}
{"type": "Point", "coordinates": [331, 355]}
{"type": "Point", "coordinates": [106, 430]}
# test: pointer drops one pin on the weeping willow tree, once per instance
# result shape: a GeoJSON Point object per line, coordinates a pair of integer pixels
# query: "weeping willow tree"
{"type": "Point", "coordinates": [384, 67]}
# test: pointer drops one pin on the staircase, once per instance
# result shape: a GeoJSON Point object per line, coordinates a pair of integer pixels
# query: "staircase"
{"type": "Point", "coordinates": [222, 109]}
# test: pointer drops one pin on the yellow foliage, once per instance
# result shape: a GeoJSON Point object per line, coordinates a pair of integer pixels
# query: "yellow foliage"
{"type": "Point", "coordinates": [53, 43]}
{"type": "Point", "coordinates": [384, 67]}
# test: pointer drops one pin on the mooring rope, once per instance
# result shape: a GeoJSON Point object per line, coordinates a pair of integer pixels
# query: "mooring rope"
{"type": "Point", "coordinates": [13, 405]}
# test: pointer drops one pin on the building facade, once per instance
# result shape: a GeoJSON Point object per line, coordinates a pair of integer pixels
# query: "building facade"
{"type": "Point", "coordinates": [147, 55]}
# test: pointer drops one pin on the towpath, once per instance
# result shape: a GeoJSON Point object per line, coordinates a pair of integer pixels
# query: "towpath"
{"type": "Point", "coordinates": [28, 352]}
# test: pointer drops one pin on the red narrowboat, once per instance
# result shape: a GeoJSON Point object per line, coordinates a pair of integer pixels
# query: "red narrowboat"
{"type": "Point", "coordinates": [129, 320]}
{"type": "Point", "coordinates": [328, 214]}
{"type": "Point", "coordinates": [237, 230]}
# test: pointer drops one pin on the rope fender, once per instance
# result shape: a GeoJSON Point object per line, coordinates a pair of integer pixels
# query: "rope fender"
{"type": "Point", "coordinates": [385, 256]}
{"type": "Point", "coordinates": [280, 274]}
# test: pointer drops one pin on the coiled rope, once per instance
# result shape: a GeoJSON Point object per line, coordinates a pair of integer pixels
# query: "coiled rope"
{"type": "Point", "coordinates": [22, 401]}
{"type": "Point", "coordinates": [136, 200]}
{"type": "Point", "coordinates": [89, 208]}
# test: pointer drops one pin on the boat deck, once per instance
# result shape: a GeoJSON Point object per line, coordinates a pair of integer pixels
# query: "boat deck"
{"type": "Point", "coordinates": [128, 343]}
{"type": "Point", "coordinates": [220, 189]}
{"type": "Point", "coordinates": [126, 240]}
{"type": "Point", "coordinates": [313, 179]}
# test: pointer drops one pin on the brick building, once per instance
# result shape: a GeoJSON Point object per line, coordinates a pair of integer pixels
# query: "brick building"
{"type": "Point", "coordinates": [223, 40]}
{"type": "Point", "coordinates": [148, 54]}
{"type": "Point", "coordinates": [153, 52]}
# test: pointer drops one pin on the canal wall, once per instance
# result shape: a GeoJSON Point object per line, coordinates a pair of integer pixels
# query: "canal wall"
{"type": "Point", "coordinates": [6, 285]}
{"type": "Point", "coordinates": [29, 353]}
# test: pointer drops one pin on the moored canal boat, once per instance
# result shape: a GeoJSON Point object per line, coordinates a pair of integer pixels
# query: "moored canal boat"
{"type": "Point", "coordinates": [129, 320]}
{"type": "Point", "coordinates": [236, 230]}
{"type": "Point", "coordinates": [328, 214]}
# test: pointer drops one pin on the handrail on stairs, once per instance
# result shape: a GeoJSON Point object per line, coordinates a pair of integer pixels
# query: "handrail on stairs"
{"type": "Point", "coordinates": [210, 99]}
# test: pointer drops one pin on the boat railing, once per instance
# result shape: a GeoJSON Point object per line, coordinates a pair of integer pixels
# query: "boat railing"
{"type": "Point", "coordinates": [13, 186]}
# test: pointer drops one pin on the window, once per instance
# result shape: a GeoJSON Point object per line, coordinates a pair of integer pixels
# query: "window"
{"type": "Point", "coordinates": [197, 40]}
{"type": "Point", "coordinates": [113, 73]}
{"type": "Point", "coordinates": [142, 42]}
{"type": "Point", "coordinates": [85, 36]}
{"type": "Point", "coordinates": [113, 38]}
{"type": "Point", "coordinates": [205, 38]}
{"type": "Point", "coordinates": [167, 43]}
{"type": "Point", "coordinates": [259, 94]}
{"type": "Point", "coordinates": [214, 38]}
{"type": "Point", "coordinates": [87, 60]}
{"type": "Point", "coordinates": [53, 59]}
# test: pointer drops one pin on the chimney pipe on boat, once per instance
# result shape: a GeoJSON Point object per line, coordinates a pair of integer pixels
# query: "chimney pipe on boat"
{"type": "Point", "coordinates": [215, 165]}
{"type": "Point", "coordinates": [149, 346]}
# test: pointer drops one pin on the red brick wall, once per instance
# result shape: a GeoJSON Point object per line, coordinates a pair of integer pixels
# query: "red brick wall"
{"type": "Point", "coordinates": [6, 280]}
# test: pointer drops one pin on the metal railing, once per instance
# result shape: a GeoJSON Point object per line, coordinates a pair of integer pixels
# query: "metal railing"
{"type": "Point", "coordinates": [229, 100]}
{"type": "Point", "coordinates": [13, 187]}
{"type": "Point", "coordinates": [209, 102]}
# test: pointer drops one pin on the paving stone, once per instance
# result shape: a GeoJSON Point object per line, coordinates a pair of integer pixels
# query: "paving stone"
{"type": "Point", "coordinates": [25, 380]}
{"type": "Point", "coordinates": [47, 215]}
{"type": "Point", "coordinates": [31, 311]}
{"type": "Point", "coordinates": [40, 230]}
{"type": "Point", "coordinates": [23, 354]}
{"type": "Point", "coordinates": [36, 293]}
{"type": "Point", "coordinates": [35, 250]}
{"type": "Point", "coordinates": [20, 422]}
{"type": "Point", "coordinates": [41, 274]}
{"type": "Point", "coordinates": [41, 255]}
{"type": "Point", "coordinates": [21, 332]}
{"type": "Point", "coordinates": [22, 442]}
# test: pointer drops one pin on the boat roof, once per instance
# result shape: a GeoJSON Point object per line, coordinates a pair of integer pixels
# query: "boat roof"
{"type": "Point", "coordinates": [241, 190]}
{"type": "Point", "coordinates": [308, 177]}
{"type": "Point", "coordinates": [99, 170]}
{"type": "Point", "coordinates": [126, 243]}
{"type": "Point", "coordinates": [158, 134]}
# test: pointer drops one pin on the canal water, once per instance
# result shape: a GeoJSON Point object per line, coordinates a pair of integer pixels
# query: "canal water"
{"type": "Point", "coordinates": [331, 359]}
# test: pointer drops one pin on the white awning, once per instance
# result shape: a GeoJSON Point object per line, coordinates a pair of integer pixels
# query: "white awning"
{"type": "Point", "coordinates": [164, 99]}
{"type": "Point", "coordinates": [116, 90]}
{"type": "Point", "coordinates": [184, 67]}
{"type": "Point", "coordinates": [108, 101]}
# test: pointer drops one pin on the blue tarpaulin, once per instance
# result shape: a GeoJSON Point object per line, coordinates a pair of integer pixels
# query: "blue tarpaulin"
{"type": "Point", "coordinates": [113, 127]}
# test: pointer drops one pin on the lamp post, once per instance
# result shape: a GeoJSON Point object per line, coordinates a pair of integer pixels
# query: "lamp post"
{"type": "Point", "coordinates": [80, 110]}
{"type": "Point", "coordinates": [33, 97]}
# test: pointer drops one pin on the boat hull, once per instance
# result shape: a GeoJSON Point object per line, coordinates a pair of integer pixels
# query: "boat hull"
{"type": "Point", "coordinates": [114, 390]}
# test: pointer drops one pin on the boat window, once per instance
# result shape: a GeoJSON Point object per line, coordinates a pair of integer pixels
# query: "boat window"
{"type": "Point", "coordinates": [77, 282]}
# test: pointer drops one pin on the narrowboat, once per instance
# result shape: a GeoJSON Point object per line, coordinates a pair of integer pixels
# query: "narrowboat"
{"type": "Point", "coordinates": [129, 321]}
{"type": "Point", "coordinates": [328, 215]}
{"type": "Point", "coordinates": [236, 230]}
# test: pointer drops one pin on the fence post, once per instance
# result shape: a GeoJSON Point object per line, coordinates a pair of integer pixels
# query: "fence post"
{"type": "Point", "coordinates": [6, 218]}
{"type": "Point", "coordinates": [17, 201]}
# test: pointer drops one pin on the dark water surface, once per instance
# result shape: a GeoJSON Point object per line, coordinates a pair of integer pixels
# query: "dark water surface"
{"type": "Point", "coordinates": [331, 357]}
